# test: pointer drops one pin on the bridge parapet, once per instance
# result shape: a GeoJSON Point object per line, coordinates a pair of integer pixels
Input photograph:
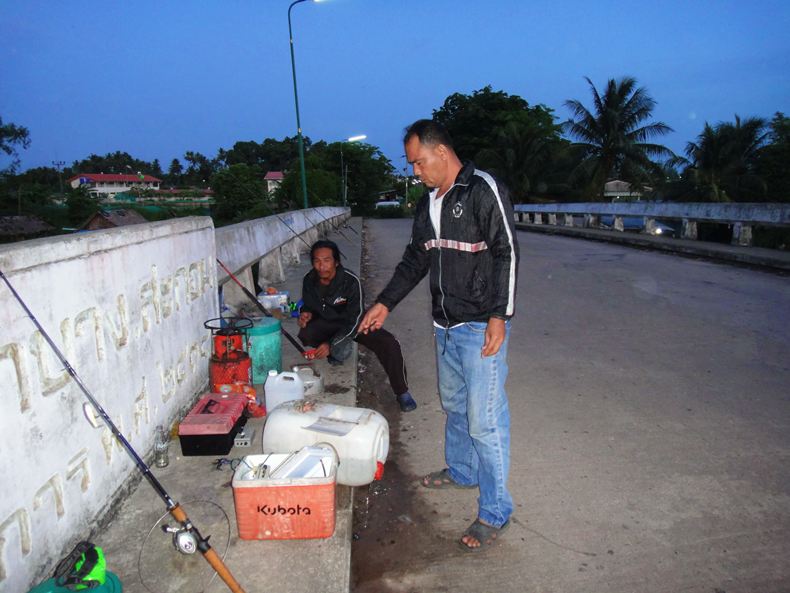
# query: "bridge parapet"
{"type": "Point", "coordinates": [742, 216]}
{"type": "Point", "coordinates": [267, 245]}
{"type": "Point", "coordinates": [126, 306]}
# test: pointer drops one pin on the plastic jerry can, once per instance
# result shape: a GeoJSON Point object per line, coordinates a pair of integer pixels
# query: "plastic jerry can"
{"type": "Point", "coordinates": [282, 387]}
{"type": "Point", "coordinates": [311, 379]}
{"type": "Point", "coordinates": [359, 435]}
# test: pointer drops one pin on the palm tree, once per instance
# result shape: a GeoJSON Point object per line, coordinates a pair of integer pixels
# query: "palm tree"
{"type": "Point", "coordinates": [614, 137]}
{"type": "Point", "coordinates": [723, 160]}
{"type": "Point", "coordinates": [519, 155]}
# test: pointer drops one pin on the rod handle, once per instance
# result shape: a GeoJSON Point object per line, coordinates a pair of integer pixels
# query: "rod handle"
{"type": "Point", "coordinates": [209, 554]}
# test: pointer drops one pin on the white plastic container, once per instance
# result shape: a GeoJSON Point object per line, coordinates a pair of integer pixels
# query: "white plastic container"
{"type": "Point", "coordinates": [359, 435]}
{"type": "Point", "coordinates": [311, 379]}
{"type": "Point", "coordinates": [282, 387]}
{"type": "Point", "coordinates": [278, 300]}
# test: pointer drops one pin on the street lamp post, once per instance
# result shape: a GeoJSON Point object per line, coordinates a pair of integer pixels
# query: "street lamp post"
{"type": "Point", "coordinates": [296, 102]}
{"type": "Point", "coordinates": [343, 168]}
{"type": "Point", "coordinates": [59, 166]}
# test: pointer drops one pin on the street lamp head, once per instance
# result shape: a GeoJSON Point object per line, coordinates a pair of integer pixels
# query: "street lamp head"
{"type": "Point", "coordinates": [356, 138]}
{"type": "Point", "coordinates": [298, 2]}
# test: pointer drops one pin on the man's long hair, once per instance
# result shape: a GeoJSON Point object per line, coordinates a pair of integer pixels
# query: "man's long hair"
{"type": "Point", "coordinates": [326, 244]}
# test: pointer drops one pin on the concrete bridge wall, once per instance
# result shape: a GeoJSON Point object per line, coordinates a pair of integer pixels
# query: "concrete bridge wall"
{"type": "Point", "coordinates": [742, 216]}
{"type": "Point", "coordinates": [270, 244]}
{"type": "Point", "coordinates": [126, 306]}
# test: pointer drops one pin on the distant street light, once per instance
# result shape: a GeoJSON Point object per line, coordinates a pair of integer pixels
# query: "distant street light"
{"type": "Point", "coordinates": [296, 102]}
{"type": "Point", "coordinates": [343, 168]}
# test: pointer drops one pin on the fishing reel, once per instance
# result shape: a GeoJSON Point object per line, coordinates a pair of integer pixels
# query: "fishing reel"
{"type": "Point", "coordinates": [184, 540]}
{"type": "Point", "coordinates": [161, 570]}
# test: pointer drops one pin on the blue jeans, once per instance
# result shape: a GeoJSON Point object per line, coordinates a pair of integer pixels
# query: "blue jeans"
{"type": "Point", "coordinates": [477, 433]}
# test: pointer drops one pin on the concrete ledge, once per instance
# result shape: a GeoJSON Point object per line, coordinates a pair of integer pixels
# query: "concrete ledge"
{"type": "Point", "coordinates": [47, 250]}
{"type": "Point", "coordinates": [276, 566]}
{"type": "Point", "coordinates": [241, 245]}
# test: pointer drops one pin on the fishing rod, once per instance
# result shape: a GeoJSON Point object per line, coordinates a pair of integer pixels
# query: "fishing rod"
{"type": "Point", "coordinates": [252, 297]}
{"type": "Point", "coordinates": [289, 227]}
{"type": "Point", "coordinates": [298, 236]}
{"type": "Point", "coordinates": [187, 538]}
{"type": "Point", "coordinates": [336, 228]}
{"type": "Point", "coordinates": [348, 226]}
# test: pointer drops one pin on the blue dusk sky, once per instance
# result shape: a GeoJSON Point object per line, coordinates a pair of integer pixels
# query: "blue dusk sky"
{"type": "Point", "coordinates": [156, 79]}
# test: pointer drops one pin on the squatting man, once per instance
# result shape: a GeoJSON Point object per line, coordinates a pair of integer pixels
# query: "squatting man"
{"type": "Point", "coordinates": [332, 307]}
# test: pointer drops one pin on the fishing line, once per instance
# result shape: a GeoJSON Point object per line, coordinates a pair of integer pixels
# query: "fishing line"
{"type": "Point", "coordinates": [252, 297]}
{"type": "Point", "coordinates": [192, 538]}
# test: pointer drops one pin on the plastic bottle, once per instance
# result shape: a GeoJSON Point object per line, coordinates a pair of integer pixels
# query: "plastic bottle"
{"type": "Point", "coordinates": [282, 387]}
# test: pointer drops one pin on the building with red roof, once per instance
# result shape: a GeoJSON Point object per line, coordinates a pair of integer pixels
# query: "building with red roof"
{"type": "Point", "coordinates": [107, 185]}
{"type": "Point", "coordinates": [273, 179]}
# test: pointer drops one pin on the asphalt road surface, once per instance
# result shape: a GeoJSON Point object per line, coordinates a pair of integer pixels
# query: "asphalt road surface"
{"type": "Point", "coordinates": [650, 405]}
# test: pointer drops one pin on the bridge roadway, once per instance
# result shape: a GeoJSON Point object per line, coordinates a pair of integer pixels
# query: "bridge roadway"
{"type": "Point", "coordinates": [650, 402]}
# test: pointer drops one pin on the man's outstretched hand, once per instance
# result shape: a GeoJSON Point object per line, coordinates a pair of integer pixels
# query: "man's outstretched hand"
{"type": "Point", "coordinates": [374, 318]}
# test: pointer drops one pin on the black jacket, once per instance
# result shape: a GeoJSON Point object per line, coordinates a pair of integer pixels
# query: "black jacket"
{"type": "Point", "coordinates": [473, 263]}
{"type": "Point", "coordinates": [341, 303]}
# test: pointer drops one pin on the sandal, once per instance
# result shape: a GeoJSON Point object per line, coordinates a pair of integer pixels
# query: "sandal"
{"type": "Point", "coordinates": [487, 535]}
{"type": "Point", "coordinates": [406, 402]}
{"type": "Point", "coordinates": [441, 480]}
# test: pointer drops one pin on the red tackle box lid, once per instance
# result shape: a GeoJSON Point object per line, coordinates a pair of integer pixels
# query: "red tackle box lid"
{"type": "Point", "coordinates": [215, 413]}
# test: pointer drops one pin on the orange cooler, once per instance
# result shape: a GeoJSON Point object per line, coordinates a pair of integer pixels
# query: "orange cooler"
{"type": "Point", "coordinates": [286, 496]}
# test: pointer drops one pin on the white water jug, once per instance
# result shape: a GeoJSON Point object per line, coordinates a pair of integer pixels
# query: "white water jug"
{"type": "Point", "coordinates": [311, 379]}
{"type": "Point", "coordinates": [359, 435]}
{"type": "Point", "coordinates": [282, 387]}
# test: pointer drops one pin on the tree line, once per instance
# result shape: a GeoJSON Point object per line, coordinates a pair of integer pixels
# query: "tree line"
{"type": "Point", "coordinates": [612, 135]}
{"type": "Point", "coordinates": [543, 159]}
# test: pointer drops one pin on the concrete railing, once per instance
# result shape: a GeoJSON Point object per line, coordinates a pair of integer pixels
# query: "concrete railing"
{"type": "Point", "coordinates": [269, 244]}
{"type": "Point", "coordinates": [126, 306]}
{"type": "Point", "coordinates": [742, 216]}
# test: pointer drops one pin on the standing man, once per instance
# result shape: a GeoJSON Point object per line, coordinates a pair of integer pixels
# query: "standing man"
{"type": "Point", "coordinates": [332, 308]}
{"type": "Point", "coordinates": [463, 233]}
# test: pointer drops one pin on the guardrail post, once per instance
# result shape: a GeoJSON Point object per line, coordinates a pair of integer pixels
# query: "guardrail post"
{"type": "Point", "coordinates": [538, 218]}
{"type": "Point", "coordinates": [741, 234]}
{"type": "Point", "coordinates": [270, 267]}
{"type": "Point", "coordinates": [689, 229]}
{"type": "Point", "coordinates": [553, 219]}
{"type": "Point", "coordinates": [618, 223]}
{"type": "Point", "coordinates": [591, 221]}
{"type": "Point", "coordinates": [569, 220]}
